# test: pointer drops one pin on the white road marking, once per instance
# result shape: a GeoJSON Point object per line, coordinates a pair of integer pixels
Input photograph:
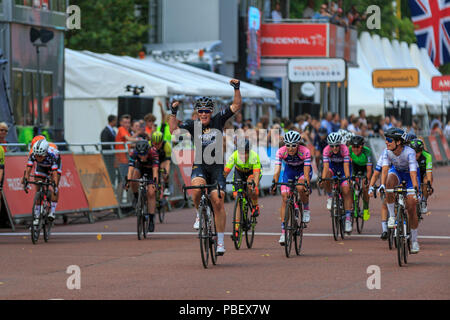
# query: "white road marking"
{"type": "Point", "coordinates": [21, 234]}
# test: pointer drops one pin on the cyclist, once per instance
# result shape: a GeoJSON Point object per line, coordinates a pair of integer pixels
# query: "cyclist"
{"type": "Point", "coordinates": [361, 158]}
{"type": "Point", "coordinates": [46, 167]}
{"type": "Point", "coordinates": [404, 168]}
{"type": "Point", "coordinates": [336, 162]}
{"type": "Point", "coordinates": [425, 162]}
{"type": "Point", "coordinates": [248, 168]}
{"type": "Point", "coordinates": [384, 211]}
{"type": "Point", "coordinates": [165, 154]}
{"type": "Point", "coordinates": [297, 160]}
{"type": "Point", "coordinates": [207, 132]}
{"type": "Point", "coordinates": [144, 160]}
{"type": "Point", "coordinates": [320, 142]}
{"type": "Point", "coordinates": [54, 149]}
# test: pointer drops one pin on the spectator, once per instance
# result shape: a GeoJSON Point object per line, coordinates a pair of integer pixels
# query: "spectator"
{"type": "Point", "coordinates": [435, 129]}
{"type": "Point", "coordinates": [3, 133]}
{"type": "Point", "coordinates": [387, 124]}
{"type": "Point", "coordinates": [322, 14]}
{"type": "Point", "coordinates": [149, 124]}
{"type": "Point", "coordinates": [447, 130]}
{"type": "Point", "coordinates": [326, 123]}
{"type": "Point", "coordinates": [123, 135]}
{"type": "Point", "coordinates": [194, 115]}
{"type": "Point", "coordinates": [308, 13]}
{"type": "Point", "coordinates": [336, 123]}
{"type": "Point", "coordinates": [264, 121]}
{"type": "Point", "coordinates": [164, 126]}
{"type": "Point", "coordinates": [138, 130]}
{"type": "Point", "coordinates": [344, 124]}
{"type": "Point", "coordinates": [362, 117]}
{"type": "Point", "coordinates": [434, 121]}
{"type": "Point", "coordinates": [109, 134]}
{"type": "Point", "coordinates": [276, 13]}
{"type": "Point", "coordinates": [299, 120]}
{"type": "Point", "coordinates": [354, 126]}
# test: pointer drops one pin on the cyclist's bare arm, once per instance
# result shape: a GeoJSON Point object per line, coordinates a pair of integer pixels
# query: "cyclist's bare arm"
{"type": "Point", "coordinates": [384, 174]}
{"type": "Point", "coordinates": [173, 121]}
{"type": "Point", "coordinates": [256, 174]}
{"type": "Point", "coordinates": [369, 172]}
{"type": "Point", "coordinates": [276, 175]}
{"type": "Point", "coordinates": [326, 167]}
{"type": "Point", "coordinates": [27, 173]}
{"type": "Point", "coordinates": [155, 173]}
{"type": "Point", "coordinates": [413, 175]}
{"type": "Point", "coordinates": [237, 100]}
{"type": "Point", "coordinates": [347, 169]}
{"type": "Point", "coordinates": [307, 169]}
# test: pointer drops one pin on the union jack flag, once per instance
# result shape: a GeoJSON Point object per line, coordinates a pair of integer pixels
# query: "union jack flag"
{"type": "Point", "coordinates": [431, 20]}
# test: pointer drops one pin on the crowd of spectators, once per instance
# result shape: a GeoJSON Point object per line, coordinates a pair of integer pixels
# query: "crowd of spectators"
{"type": "Point", "coordinates": [328, 11]}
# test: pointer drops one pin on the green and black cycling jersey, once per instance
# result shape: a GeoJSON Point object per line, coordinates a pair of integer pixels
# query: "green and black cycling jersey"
{"type": "Point", "coordinates": [425, 162]}
{"type": "Point", "coordinates": [360, 163]}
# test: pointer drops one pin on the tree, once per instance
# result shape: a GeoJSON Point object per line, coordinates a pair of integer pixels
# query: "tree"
{"type": "Point", "coordinates": [110, 26]}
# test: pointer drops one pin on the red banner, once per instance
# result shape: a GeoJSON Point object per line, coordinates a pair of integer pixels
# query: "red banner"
{"type": "Point", "coordinates": [294, 40]}
{"type": "Point", "coordinates": [445, 146]}
{"type": "Point", "coordinates": [435, 148]}
{"type": "Point", "coordinates": [441, 83]}
{"type": "Point", "coordinates": [71, 195]}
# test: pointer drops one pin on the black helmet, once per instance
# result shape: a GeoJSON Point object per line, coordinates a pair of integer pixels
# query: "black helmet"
{"type": "Point", "coordinates": [357, 141]}
{"type": "Point", "coordinates": [417, 145]}
{"type": "Point", "coordinates": [142, 147]}
{"type": "Point", "coordinates": [204, 103]}
{"type": "Point", "coordinates": [323, 131]}
{"type": "Point", "coordinates": [410, 137]}
{"type": "Point", "coordinates": [396, 134]}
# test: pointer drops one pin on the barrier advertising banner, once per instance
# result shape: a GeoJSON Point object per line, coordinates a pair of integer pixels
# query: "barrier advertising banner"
{"type": "Point", "coordinates": [395, 78]}
{"type": "Point", "coordinates": [441, 83]}
{"type": "Point", "coordinates": [95, 181]}
{"type": "Point", "coordinates": [435, 148]}
{"type": "Point", "coordinates": [71, 195]}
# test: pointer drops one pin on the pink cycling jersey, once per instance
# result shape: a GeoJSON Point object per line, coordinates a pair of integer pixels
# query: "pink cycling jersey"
{"type": "Point", "coordinates": [300, 159]}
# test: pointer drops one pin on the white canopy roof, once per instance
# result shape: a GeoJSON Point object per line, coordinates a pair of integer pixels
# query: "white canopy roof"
{"type": "Point", "coordinates": [87, 77]}
{"type": "Point", "coordinates": [187, 80]}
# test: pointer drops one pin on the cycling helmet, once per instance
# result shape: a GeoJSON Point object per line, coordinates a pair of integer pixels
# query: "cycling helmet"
{"type": "Point", "coordinates": [417, 145]}
{"type": "Point", "coordinates": [204, 103]}
{"type": "Point", "coordinates": [323, 131]}
{"type": "Point", "coordinates": [292, 137]}
{"type": "Point", "coordinates": [357, 141]}
{"type": "Point", "coordinates": [142, 147]}
{"type": "Point", "coordinates": [396, 134]}
{"type": "Point", "coordinates": [334, 138]}
{"type": "Point", "coordinates": [342, 133]}
{"type": "Point", "coordinates": [40, 148]}
{"type": "Point", "coordinates": [157, 137]}
{"type": "Point", "coordinates": [410, 137]}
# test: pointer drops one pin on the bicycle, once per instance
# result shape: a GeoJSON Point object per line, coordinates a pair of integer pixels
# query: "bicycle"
{"type": "Point", "coordinates": [422, 202]}
{"type": "Point", "coordinates": [402, 229]}
{"type": "Point", "coordinates": [161, 202]}
{"type": "Point", "coordinates": [391, 241]}
{"type": "Point", "coordinates": [319, 174]}
{"type": "Point", "coordinates": [245, 222]}
{"type": "Point", "coordinates": [207, 227]}
{"type": "Point", "coordinates": [357, 194]}
{"type": "Point", "coordinates": [337, 207]}
{"type": "Point", "coordinates": [43, 198]}
{"type": "Point", "coordinates": [142, 206]}
{"type": "Point", "coordinates": [293, 217]}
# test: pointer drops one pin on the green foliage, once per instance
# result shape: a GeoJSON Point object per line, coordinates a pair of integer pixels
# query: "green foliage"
{"type": "Point", "coordinates": [445, 69]}
{"type": "Point", "coordinates": [110, 26]}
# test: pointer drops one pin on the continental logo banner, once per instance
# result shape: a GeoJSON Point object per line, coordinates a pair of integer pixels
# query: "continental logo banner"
{"type": "Point", "coordinates": [395, 78]}
{"type": "Point", "coordinates": [95, 181]}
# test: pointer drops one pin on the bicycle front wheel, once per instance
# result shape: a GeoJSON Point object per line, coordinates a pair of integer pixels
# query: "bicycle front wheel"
{"type": "Point", "coordinates": [237, 223]}
{"type": "Point", "coordinates": [161, 212]}
{"type": "Point", "coordinates": [335, 221]}
{"type": "Point", "coordinates": [47, 225]}
{"type": "Point", "coordinates": [35, 230]}
{"type": "Point", "coordinates": [399, 236]}
{"type": "Point", "coordinates": [145, 218]}
{"type": "Point", "coordinates": [212, 239]}
{"type": "Point", "coordinates": [140, 217]}
{"type": "Point", "coordinates": [289, 227]}
{"type": "Point", "coordinates": [250, 230]}
{"type": "Point", "coordinates": [359, 215]}
{"type": "Point", "coordinates": [204, 236]}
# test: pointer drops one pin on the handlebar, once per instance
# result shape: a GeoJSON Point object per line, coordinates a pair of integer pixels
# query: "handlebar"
{"type": "Point", "coordinates": [202, 187]}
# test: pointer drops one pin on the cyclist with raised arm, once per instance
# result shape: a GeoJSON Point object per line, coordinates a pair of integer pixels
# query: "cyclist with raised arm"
{"type": "Point", "coordinates": [165, 155]}
{"type": "Point", "coordinates": [336, 162]}
{"type": "Point", "coordinates": [425, 162]}
{"type": "Point", "coordinates": [144, 161]}
{"type": "Point", "coordinates": [361, 158]}
{"type": "Point", "coordinates": [404, 168]}
{"type": "Point", "coordinates": [208, 168]}
{"type": "Point", "coordinates": [46, 167]}
{"type": "Point", "coordinates": [297, 160]}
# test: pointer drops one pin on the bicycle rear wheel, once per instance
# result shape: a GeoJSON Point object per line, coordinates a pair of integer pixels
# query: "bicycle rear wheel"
{"type": "Point", "coordinates": [289, 227]}
{"type": "Point", "coordinates": [391, 239]}
{"type": "Point", "coordinates": [203, 235]}
{"type": "Point", "coordinates": [335, 219]}
{"type": "Point", "coordinates": [299, 232]}
{"type": "Point", "coordinates": [238, 221]}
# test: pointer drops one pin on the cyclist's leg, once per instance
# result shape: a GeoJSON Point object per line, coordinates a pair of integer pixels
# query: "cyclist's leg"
{"type": "Point", "coordinates": [54, 193]}
{"type": "Point", "coordinates": [165, 176]}
{"type": "Point", "coordinates": [348, 202]}
{"type": "Point", "coordinates": [392, 181]}
{"type": "Point", "coordinates": [215, 173]}
{"type": "Point", "coordinates": [198, 177]}
{"type": "Point", "coordinates": [253, 194]}
{"type": "Point", "coordinates": [136, 174]}
{"type": "Point", "coordinates": [304, 197]}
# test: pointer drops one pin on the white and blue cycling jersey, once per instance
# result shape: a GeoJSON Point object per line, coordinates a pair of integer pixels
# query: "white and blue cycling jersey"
{"type": "Point", "coordinates": [401, 165]}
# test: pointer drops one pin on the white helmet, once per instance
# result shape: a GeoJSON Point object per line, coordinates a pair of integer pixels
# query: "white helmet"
{"type": "Point", "coordinates": [334, 138]}
{"type": "Point", "coordinates": [292, 137]}
{"type": "Point", "coordinates": [40, 148]}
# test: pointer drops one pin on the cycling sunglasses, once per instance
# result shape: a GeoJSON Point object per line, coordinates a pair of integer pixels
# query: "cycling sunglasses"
{"type": "Point", "coordinates": [335, 145]}
{"type": "Point", "coordinates": [204, 111]}
{"type": "Point", "coordinates": [389, 139]}
{"type": "Point", "coordinates": [291, 145]}
{"type": "Point", "coordinates": [356, 146]}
